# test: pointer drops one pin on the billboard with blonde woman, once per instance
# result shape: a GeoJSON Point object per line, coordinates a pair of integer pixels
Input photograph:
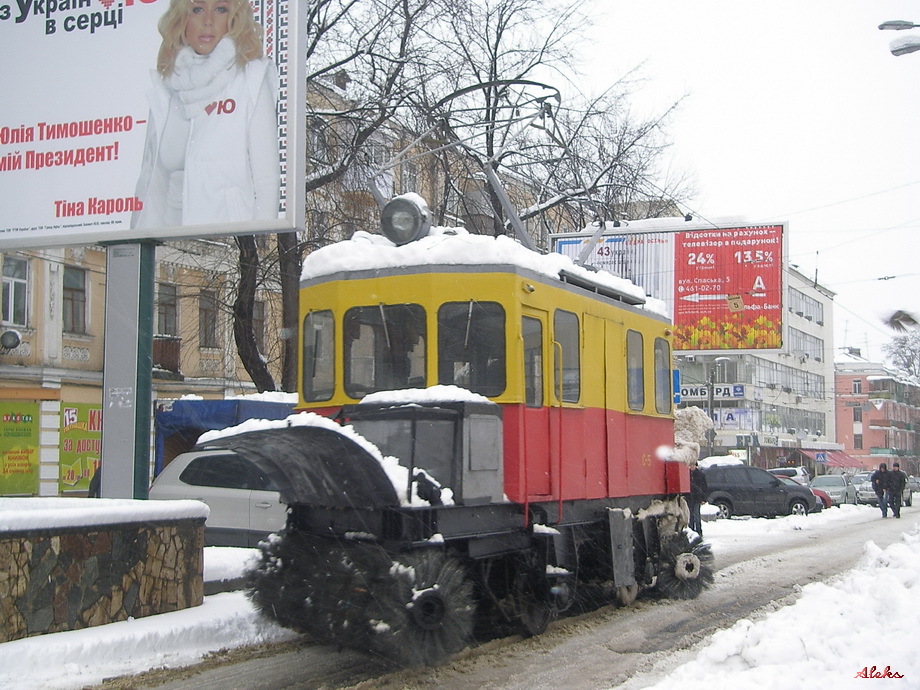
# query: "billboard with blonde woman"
{"type": "Point", "coordinates": [133, 119]}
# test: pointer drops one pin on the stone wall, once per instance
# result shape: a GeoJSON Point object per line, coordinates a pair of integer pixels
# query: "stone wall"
{"type": "Point", "coordinates": [58, 579]}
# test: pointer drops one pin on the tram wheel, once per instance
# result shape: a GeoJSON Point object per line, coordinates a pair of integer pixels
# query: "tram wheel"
{"type": "Point", "coordinates": [627, 594]}
{"type": "Point", "coordinates": [532, 609]}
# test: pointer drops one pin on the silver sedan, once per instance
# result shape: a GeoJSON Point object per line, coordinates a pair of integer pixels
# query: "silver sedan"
{"type": "Point", "coordinates": [837, 486]}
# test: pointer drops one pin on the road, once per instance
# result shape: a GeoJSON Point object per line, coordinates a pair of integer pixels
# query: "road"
{"type": "Point", "coordinates": [613, 647]}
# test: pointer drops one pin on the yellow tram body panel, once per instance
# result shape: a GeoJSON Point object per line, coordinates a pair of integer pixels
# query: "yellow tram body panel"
{"type": "Point", "coordinates": [519, 295]}
{"type": "Point", "coordinates": [561, 441]}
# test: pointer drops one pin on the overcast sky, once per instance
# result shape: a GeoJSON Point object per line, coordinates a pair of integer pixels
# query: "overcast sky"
{"type": "Point", "coordinates": [794, 111]}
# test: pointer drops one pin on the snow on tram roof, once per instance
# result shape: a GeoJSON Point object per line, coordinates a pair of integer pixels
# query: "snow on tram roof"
{"type": "Point", "coordinates": [457, 247]}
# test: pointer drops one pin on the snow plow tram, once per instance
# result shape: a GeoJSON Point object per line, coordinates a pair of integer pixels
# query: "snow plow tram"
{"type": "Point", "coordinates": [482, 453]}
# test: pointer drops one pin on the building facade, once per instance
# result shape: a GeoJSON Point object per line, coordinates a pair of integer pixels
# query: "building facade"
{"type": "Point", "coordinates": [51, 381]}
{"type": "Point", "coordinates": [878, 413]}
{"type": "Point", "coordinates": [774, 408]}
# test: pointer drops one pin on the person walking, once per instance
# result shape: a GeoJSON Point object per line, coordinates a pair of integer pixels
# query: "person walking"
{"type": "Point", "coordinates": [897, 480]}
{"type": "Point", "coordinates": [699, 489]}
{"type": "Point", "coordinates": [879, 481]}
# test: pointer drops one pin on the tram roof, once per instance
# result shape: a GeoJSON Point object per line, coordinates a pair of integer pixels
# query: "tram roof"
{"type": "Point", "coordinates": [457, 247]}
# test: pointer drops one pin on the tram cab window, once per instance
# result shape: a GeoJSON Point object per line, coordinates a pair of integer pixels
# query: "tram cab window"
{"type": "Point", "coordinates": [532, 332]}
{"type": "Point", "coordinates": [567, 372]}
{"type": "Point", "coordinates": [663, 377]}
{"type": "Point", "coordinates": [471, 346]}
{"type": "Point", "coordinates": [635, 371]}
{"type": "Point", "coordinates": [318, 356]}
{"type": "Point", "coordinates": [384, 347]}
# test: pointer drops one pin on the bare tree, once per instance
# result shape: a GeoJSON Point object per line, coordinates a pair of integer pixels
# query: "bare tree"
{"type": "Point", "coordinates": [358, 58]}
{"type": "Point", "coordinates": [579, 159]}
{"type": "Point", "coordinates": [468, 77]}
{"type": "Point", "coordinates": [904, 352]}
{"type": "Point", "coordinates": [491, 55]}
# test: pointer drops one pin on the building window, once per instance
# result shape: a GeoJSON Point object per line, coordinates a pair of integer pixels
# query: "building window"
{"type": "Point", "coordinates": [258, 324]}
{"type": "Point", "coordinates": [207, 319]}
{"type": "Point", "coordinates": [857, 414]}
{"type": "Point", "coordinates": [15, 290]}
{"type": "Point", "coordinates": [167, 309]}
{"type": "Point", "coordinates": [409, 177]}
{"type": "Point", "coordinates": [857, 386]}
{"type": "Point", "coordinates": [857, 441]}
{"type": "Point", "coordinates": [74, 300]}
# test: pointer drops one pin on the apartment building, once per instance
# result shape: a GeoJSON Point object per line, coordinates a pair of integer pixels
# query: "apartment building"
{"type": "Point", "coordinates": [878, 412]}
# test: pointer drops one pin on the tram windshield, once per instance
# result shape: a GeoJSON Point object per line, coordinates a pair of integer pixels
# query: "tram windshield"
{"type": "Point", "coordinates": [471, 346]}
{"type": "Point", "coordinates": [384, 348]}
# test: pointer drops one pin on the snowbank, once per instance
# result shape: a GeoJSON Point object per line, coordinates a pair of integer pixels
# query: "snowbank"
{"type": "Point", "coordinates": [54, 513]}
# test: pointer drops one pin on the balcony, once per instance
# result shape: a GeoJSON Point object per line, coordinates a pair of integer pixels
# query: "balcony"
{"type": "Point", "coordinates": [166, 351]}
{"type": "Point", "coordinates": [894, 452]}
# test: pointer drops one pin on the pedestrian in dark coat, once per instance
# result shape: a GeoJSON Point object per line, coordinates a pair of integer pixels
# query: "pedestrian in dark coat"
{"type": "Point", "coordinates": [95, 484]}
{"type": "Point", "coordinates": [879, 481]}
{"type": "Point", "coordinates": [897, 480]}
{"type": "Point", "coordinates": [699, 490]}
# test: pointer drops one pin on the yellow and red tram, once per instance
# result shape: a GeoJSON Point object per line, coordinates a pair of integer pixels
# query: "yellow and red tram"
{"type": "Point", "coordinates": [525, 399]}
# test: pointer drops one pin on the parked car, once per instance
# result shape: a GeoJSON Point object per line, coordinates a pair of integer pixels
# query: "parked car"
{"type": "Point", "coordinates": [914, 484]}
{"type": "Point", "coordinates": [800, 474]}
{"type": "Point", "coordinates": [866, 494]}
{"type": "Point", "coordinates": [837, 486]}
{"type": "Point", "coordinates": [822, 500]}
{"type": "Point", "coordinates": [745, 490]}
{"type": "Point", "coordinates": [245, 505]}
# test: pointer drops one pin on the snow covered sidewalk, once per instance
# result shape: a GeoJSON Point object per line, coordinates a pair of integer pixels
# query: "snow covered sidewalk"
{"type": "Point", "coordinates": [835, 630]}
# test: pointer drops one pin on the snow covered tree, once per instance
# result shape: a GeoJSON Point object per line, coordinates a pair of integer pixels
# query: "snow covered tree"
{"type": "Point", "coordinates": [904, 352]}
{"type": "Point", "coordinates": [358, 74]}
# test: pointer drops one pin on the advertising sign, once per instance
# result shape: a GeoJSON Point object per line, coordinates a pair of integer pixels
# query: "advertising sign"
{"type": "Point", "coordinates": [81, 444]}
{"type": "Point", "coordinates": [111, 131]}
{"type": "Point", "coordinates": [19, 446]}
{"type": "Point", "coordinates": [723, 287]}
{"type": "Point", "coordinates": [728, 289]}
{"type": "Point", "coordinates": [720, 391]}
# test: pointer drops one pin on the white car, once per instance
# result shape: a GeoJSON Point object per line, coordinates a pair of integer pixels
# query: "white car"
{"type": "Point", "coordinates": [800, 474]}
{"type": "Point", "coordinates": [837, 486]}
{"type": "Point", "coordinates": [245, 505]}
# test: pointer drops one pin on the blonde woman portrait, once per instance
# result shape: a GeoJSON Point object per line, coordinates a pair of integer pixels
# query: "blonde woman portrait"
{"type": "Point", "coordinates": [211, 151]}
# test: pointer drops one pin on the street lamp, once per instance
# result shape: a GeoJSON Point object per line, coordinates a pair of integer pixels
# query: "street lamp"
{"type": "Point", "coordinates": [906, 44]}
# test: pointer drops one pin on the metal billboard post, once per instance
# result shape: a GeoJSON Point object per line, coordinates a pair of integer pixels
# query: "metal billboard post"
{"type": "Point", "coordinates": [127, 378]}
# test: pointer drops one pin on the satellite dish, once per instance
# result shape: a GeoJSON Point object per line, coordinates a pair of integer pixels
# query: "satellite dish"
{"type": "Point", "coordinates": [9, 340]}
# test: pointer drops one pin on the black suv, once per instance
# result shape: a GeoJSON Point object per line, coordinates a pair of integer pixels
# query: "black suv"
{"type": "Point", "coordinates": [744, 490]}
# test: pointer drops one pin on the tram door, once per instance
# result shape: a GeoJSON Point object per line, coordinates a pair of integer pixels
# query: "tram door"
{"type": "Point", "coordinates": [536, 415]}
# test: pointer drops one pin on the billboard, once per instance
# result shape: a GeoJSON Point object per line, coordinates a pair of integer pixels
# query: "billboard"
{"type": "Point", "coordinates": [19, 448]}
{"type": "Point", "coordinates": [110, 131]}
{"type": "Point", "coordinates": [723, 286]}
{"type": "Point", "coordinates": [81, 444]}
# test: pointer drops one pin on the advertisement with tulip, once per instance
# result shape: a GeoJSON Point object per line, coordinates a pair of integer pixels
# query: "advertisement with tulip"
{"type": "Point", "coordinates": [728, 289]}
{"type": "Point", "coordinates": [723, 287]}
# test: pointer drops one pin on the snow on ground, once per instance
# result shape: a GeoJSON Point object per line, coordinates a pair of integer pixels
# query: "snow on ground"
{"type": "Point", "coordinates": [859, 626]}
{"type": "Point", "coordinates": [865, 616]}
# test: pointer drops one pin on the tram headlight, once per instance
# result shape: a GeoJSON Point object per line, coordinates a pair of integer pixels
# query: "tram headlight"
{"type": "Point", "coordinates": [405, 219]}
